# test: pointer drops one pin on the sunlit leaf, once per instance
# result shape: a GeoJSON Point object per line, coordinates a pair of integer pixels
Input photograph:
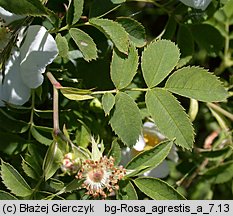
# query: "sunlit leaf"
{"type": "Point", "coordinates": [76, 94]}
{"type": "Point", "coordinates": [170, 117]}
{"type": "Point", "coordinates": [157, 189]}
{"type": "Point", "coordinates": [108, 101]}
{"type": "Point", "coordinates": [126, 119]}
{"type": "Point", "coordinates": [197, 83]}
{"type": "Point", "coordinates": [75, 11]}
{"type": "Point", "coordinates": [85, 43]}
{"type": "Point", "coordinates": [150, 158]}
{"type": "Point", "coordinates": [62, 46]}
{"type": "Point", "coordinates": [14, 181]}
{"type": "Point", "coordinates": [136, 31]}
{"type": "Point", "coordinates": [158, 60]}
{"type": "Point", "coordinates": [114, 31]}
{"type": "Point", "coordinates": [24, 7]}
{"type": "Point", "coordinates": [124, 68]}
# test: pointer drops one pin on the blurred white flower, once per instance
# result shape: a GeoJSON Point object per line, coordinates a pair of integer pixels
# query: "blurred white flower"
{"type": "Point", "coordinates": [198, 4]}
{"type": "Point", "coordinates": [35, 49]}
{"type": "Point", "coordinates": [150, 137]}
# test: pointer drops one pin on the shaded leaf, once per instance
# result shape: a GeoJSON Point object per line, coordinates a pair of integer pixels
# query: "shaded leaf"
{"type": "Point", "coordinates": [62, 46]}
{"type": "Point", "coordinates": [32, 162]}
{"type": "Point", "coordinates": [185, 41]}
{"type": "Point", "coordinates": [158, 60]}
{"type": "Point", "coordinates": [150, 158]}
{"type": "Point", "coordinates": [220, 174]}
{"type": "Point", "coordinates": [11, 124]}
{"type": "Point", "coordinates": [72, 186]}
{"type": "Point", "coordinates": [216, 154]}
{"type": "Point", "coordinates": [14, 181]}
{"type": "Point", "coordinates": [85, 43]}
{"type": "Point", "coordinates": [127, 191]}
{"type": "Point", "coordinates": [197, 83]}
{"type": "Point", "coordinates": [114, 31]}
{"type": "Point", "coordinates": [124, 68]}
{"type": "Point", "coordinates": [157, 189]}
{"type": "Point", "coordinates": [115, 152]}
{"type": "Point", "coordinates": [170, 117]}
{"type": "Point", "coordinates": [10, 142]}
{"type": "Point", "coordinates": [108, 101]}
{"type": "Point", "coordinates": [126, 119]}
{"type": "Point", "coordinates": [201, 34]}
{"type": "Point", "coordinates": [136, 31]}
{"type": "Point", "coordinates": [82, 137]}
{"type": "Point", "coordinates": [100, 8]}
{"type": "Point", "coordinates": [170, 28]}
{"type": "Point", "coordinates": [39, 134]}
{"type": "Point", "coordinates": [6, 196]}
{"type": "Point", "coordinates": [24, 7]}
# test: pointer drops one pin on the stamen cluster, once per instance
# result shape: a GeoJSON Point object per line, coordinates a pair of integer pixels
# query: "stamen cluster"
{"type": "Point", "coordinates": [100, 177]}
{"type": "Point", "coordinates": [70, 164]}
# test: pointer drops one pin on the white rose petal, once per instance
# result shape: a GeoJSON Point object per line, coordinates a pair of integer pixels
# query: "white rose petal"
{"type": "Point", "coordinates": [39, 49]}
{"type": "Point", "coordinates": [198, 4]}
{"type": "Point", "coordinates": [13, 89]}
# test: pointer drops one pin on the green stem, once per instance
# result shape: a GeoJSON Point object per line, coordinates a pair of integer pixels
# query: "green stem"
{"type": "Point", "coordinates": [226, 61]}
{"type": "Point", "coordinates": [221, 110]}
{"type": "Point", "coordinates": [31, 121]}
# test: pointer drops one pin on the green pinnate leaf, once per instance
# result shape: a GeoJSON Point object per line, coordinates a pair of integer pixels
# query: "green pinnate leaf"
{"type": "Point", "coordinates": [62, 46]}
{"type": "Point", "coordinates": [108, 101]}
{"type": "Point", "coordinates": [150, 158]}
{"type": "Point", "coordinates": [14, 181]}
{"type": "Point", "coordinates": [114, 31]}
{"type": "Point", "coordinates": [126, 119]}
{"type": "Point", "coordinates": [158, 60]}
{"type": "Point", "coordinates": [197, 83]}
{"type": "Point", "coordinates": [124, 68]}
{"type": "Point", "coordinates": [157, 189]}
{"type": "Point", "coordinates": [136, 31]}
{"type": "Point", "coordinates": [24, 7]}
{"type": "Point", "coordinates": [170, 117]}
{"type": "Point", "coordinates": [85, 43]}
